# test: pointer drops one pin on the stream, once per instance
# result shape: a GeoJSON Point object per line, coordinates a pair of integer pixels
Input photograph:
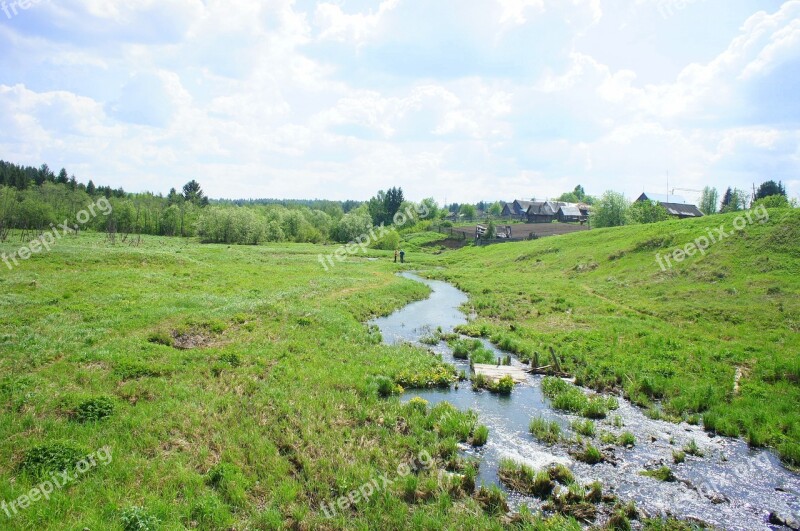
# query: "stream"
{"type": "Point", "coordinates": [731, 487]}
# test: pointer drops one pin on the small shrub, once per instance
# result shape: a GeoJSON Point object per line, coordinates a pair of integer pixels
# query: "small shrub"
{"type": "Point", "coordinates": [94, 409]}
{"type": "Point", "coordinates": [480, 436]}
{"type": "Point", "coordinates": [138, 519]}
{"type": "Point", "coordinates": [678, 457]}
{"type": "Point", "coordinates": [503, 386]}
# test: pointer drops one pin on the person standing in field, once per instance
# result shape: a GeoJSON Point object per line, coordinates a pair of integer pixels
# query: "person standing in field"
{"type": "Point", "coordinates": [402, 256]}
{"type": "Point", "coordinates": [395, 256]}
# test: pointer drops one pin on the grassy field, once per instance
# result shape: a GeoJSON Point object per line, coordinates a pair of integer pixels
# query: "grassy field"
{"type": "Point", "coordinates": [239, 386]}
{"type": "Point", "coordinates": [675, 339]}
{"type": "Point", "coordinates": [273, 413]}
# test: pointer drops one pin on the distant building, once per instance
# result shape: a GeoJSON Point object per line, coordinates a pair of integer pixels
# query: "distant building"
{"type": "Point", "coordinates": [569, 214]}
{"type": "Point", "coordinates": [516, 210]}
{"type": "Point", "coordinates": [675, 205]}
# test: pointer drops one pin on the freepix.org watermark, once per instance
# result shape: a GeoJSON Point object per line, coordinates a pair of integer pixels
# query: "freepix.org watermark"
{"type": "Point", "coordinates": [57, 481]}
{"type": "Point", "coordinates": [13, 7]}
{"type": "Point", "coordinates": [712, 236]}
{"type": "Point", "coordinates": [56, 232]}
{"type": "Point", "coordinates": [362, 243]}
{"type": "Point", "coordinates": [362, 494]}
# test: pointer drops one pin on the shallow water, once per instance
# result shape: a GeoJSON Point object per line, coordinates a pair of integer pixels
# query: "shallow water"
{"type": "Point", "coordinates": [731, 486]}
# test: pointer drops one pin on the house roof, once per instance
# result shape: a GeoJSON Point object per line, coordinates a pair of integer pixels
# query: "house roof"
{"type": "Point", "coordinates": [523, 205]}
{"type": "Point", "coordinates": [570, 211]}
{"type": "Point", "coordinates": [688, 211]}
{"type": "Point", "coordinates": [662, 198]}
{"type": "Point", "coordinates": [535, 207]}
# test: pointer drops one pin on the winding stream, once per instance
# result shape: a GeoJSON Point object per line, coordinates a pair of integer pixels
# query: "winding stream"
{"type": "Point", "coordinates": [731, 486]}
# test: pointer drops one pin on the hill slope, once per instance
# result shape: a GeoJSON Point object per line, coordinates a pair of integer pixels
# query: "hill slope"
{"type": "Point", "coordinates": [714, 335]}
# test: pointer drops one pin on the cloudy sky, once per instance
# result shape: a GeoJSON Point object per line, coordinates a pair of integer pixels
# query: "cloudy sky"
{"type": "Point", "coordinates": [462, 100]}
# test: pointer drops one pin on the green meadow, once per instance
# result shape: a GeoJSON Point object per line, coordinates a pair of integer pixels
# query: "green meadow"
{"type": "Point", "coordinates": [240, 387]}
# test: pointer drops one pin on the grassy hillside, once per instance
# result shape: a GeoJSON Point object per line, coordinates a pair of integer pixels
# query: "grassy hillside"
{"type": "Point", "coordinates": [674, 339]}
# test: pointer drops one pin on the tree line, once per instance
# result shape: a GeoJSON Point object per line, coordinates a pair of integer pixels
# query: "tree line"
{"type": "Point", "coordinates": [31, 199]}
{"type": "Point", "coordinates": [613, 209]}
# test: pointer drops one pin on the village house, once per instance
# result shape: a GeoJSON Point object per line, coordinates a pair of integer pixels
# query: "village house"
{"type": "Point", "coordinates": [676, 206]}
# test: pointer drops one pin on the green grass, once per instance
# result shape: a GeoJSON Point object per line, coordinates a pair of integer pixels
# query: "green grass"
{"type": "Point", "coordinates": [584, 427]}
{"type": "Point", "coordinates": [661, 474]}
{"type": "Point", "coordinates": [672, 338]}
{"type": "Point", "coordinates": [546, 431]}
{"type": "Point", "coordinates": [255, 360]}
{"type": "Point", "coordinates": [286, 401]}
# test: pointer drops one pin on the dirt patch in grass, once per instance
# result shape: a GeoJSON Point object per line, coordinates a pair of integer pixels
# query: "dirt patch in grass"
{"type": "Point", "coordinates": [191, 339]}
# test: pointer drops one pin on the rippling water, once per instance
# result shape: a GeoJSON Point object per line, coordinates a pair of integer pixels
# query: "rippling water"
{"type": "Point", "coordinates": [731, 486]}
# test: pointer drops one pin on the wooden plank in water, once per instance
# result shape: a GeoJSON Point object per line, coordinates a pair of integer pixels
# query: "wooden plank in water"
{"type": "Point", "coordinates": [494, 372]}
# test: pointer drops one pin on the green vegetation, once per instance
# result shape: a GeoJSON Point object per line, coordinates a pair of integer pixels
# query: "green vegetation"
{"type": "Point", "coordinates": [249, 373]}
{"type": "Point", "coordinates": [672, 337]}
{"type": "Point", "coordinates": [566, 397]}
{"type": "Point", "coordinates": [584, 427]}
{"type": "Point", "coordinates": [546, 431]}
{"type": "Point", "coordinates": [94, 409]}
{"type": "Point", "coordinates": [480, 436]}
{"type": "Point", "coordinates": [661, 474]}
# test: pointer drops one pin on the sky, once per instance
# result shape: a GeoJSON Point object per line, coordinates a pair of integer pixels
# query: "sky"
{"type": "Point", "coordinates": [459, 100]}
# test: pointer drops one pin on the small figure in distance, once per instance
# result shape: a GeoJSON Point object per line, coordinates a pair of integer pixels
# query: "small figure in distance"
{"type": "Point", "coordinates": [395, 256]}
{"type": "Point", "coordinates": [402, 256]}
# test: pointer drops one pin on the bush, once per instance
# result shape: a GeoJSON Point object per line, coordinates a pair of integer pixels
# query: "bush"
{"type": "Point", "coordinates": [94, 409]}
{"type": "Point", "coordinates": [138, 519]}
{"type": "Point", "coordinates": [627, 439]}
{"type": "Point", "coordinates": [678, 457]}
{"type": "Point", "coordinates": [503, 386]}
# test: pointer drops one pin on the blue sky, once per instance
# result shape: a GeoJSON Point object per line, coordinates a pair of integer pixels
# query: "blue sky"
{"type": "Point", "coordinates": [459, 100]}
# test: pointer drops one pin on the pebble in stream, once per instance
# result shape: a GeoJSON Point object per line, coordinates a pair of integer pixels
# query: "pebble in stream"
{"type": "Point", "coordinates": [731, 486]}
